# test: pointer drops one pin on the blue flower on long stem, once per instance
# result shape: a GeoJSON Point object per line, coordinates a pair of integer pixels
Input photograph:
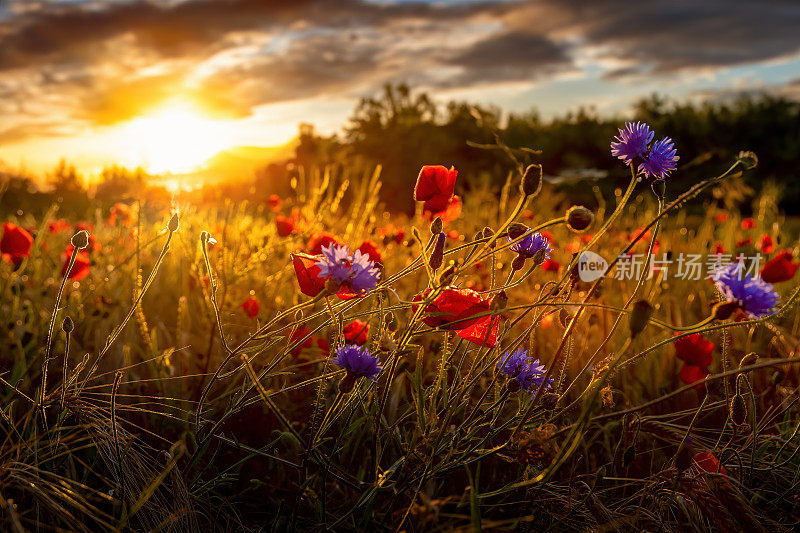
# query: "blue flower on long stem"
{"type": "Point", "coordinates": [356, 272]}
{"type": "Point", "coordinates": [661, 160]}
{"type": "Point", "coordinates": [527, 371]}
{"type": "Point", "coordinates": [358, 361]}
{"type": "Point", "coordinates": [632, 141]}
{"type": "Point", "coordinates": [755, 296]}
{"type": "Point", "coordinates": [531, 244]}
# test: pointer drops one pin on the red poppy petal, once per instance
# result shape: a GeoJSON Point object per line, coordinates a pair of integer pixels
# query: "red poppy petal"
{"type": "Point", "coordinates": [307, 273]}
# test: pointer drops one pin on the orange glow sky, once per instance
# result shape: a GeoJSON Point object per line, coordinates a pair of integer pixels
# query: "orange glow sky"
{"type": "Point", "coordinates": [167, 84]}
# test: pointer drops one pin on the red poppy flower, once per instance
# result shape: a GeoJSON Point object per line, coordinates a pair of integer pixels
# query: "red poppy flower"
{"type": "Point", "coordinates": [81, 267]}
{"type": "Point", "coordinates": [694, 350]}
{"type": "Point", "coordinates": [307, 273]}
{"type": "Point", "coordinates": [274, 201]}
{"type": "Point", "coordinates": [549, 236]}
{"type": "Point", "coordinates": [708, 462]}
{"type": "Point", "coordinates": [745, 242]}
{"type": "Point", "coordinates": [122, 212]}
{"type": "Point", "coordinates": [435, 186]}
{"type": "Point", "coordinates": [16, 243]}
{"type": "Point", "coordinates": [251, 307]}
{"type": "Point", "coordinates": [370, 249]}
{"type": "Point", "coordinates": [586, 238]}
{"type": "Point", "coordinates": [356, 332]}
{"type": "Point", "coordinates": [779, 268]}
{"type": "Point", "coordinates": [748, 223]}
{"type": "Point", "coordinates": [390, 233]}
{"type": "Point", "coordinates": [320, 240]}
{"type": "Point", "coordinates": [721, 217]}
{"type": "Point", "coordinates": [57, 226]}
{"type": "Point", "coordinates": [693, 374]}
{"type": "Point", "coordinates": [766, 244]}
{"type": "Point", "coordinates": [453, 234]}
{"type": "Point", "coordinates": [454, 308]}
{"type": "Point", "coordinates": [718, 249]}
{"type": "Point", "coordinates": [528, 214]}
{"type": "Point", "coordinates": [551, 265]}
{"type": "Point", "coordinates": [451, 212]}
{"type": "Point", "coordinates": [643, 242]}
{"type": "Point", "coordinates": [285, 225]}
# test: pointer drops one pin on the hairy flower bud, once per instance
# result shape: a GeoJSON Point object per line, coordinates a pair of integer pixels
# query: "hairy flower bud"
{"type": "Point", "coordinates": [549, 400]}
{"type": "Point", "coordinates": [518, 262]}
{"type": "Point", "coordinates": [748, 159]}
{"type": "Point", "coordinates": [347, 383]}
{"type": "Point", "coordinates": [488, 233]}
{"type": "Point", "coordinates": [449, 273]}
{"type": "Point", "coordinates": [531, 180]}
{"type": "Point", "coordinates": [640, 315]}
{"type": "Point", "coordinates": [437, 256]}
{"type": "Point", "coordinates": [777, 377]}
{"type": "Point", "coordinates": [517, 230]}
{"type": "Point", "coordinates": [68, 325]}
{"type": "Point", "coordinates": [724, 310]}
{"type": "Point", "coordinates": [391, 322]}
{"type": "Point", "coordinates": [738, 409]}
{"type": "Point", "coordinates": [629, 455]}
{"type": "Point", "coordinates": [659, 188]}
{"type": "Point", "coordinates": [80, 240]}
{"type": "Point", "coordinates": [748, 359]}
{"type": "Point", "coordinates": [437, 226]}
{"type": "Point", "coordinates": [579, 218]}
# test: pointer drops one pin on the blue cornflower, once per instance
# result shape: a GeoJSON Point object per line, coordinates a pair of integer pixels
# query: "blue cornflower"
{"type": "Point", "coordinates": [755, 296]}
{"type": "Point", "coordinates": [632, 141]}
{"type": "Point", "coordinates": [661, 160]}
{"type": "Point", "coordinates": [527, 371]}
{"type": "Point", "coordinates": [357, 271]}
{"type": "Point", "coordinates": [531, 244]}
{"type": "Point", "coordinates": [357, 361]}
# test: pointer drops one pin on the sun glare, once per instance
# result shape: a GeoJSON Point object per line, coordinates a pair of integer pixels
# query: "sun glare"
{"type": "Point", "coordinates": [176, 138]}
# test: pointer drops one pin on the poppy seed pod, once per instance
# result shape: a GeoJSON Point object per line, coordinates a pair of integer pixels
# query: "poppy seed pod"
{"type": "Point", "coordinates": [68, 325]}
{"type": "Point", "coordinates": [80, 240]}
{"type": "Point", "coordinates": [579, 218]}
{"type": "Point", "coordinates": [532, 180]}
{"type": "Point", "coordinates": [517, 230]}
{"type": "Point", "coordinates": [172, 226]}
{"type": "Point", "coordinates": [738, 409]}
{"type": "Point", "coordinates": [640, 315]}
{"type": "Point", "coordinates": [437, 226]}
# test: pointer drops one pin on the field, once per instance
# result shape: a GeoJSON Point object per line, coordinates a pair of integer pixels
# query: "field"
{"type": "Point", "coordinates": [195, 370]}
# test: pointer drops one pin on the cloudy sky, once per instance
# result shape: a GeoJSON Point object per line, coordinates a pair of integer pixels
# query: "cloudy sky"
{"type": "Point", "coordinates": [138, 81]}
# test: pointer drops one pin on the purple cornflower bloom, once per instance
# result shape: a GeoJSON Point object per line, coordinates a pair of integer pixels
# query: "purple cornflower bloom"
{"type": "Point", "coordinates": [632, 141]}
{"type": "Point", "coordinates": [755, 296]}
{"type": "Point", "coordinates": [356, 271]}
{"type": "Point", "coordinates": [526, 370]}
{"type": "Point", "coordinates": [661, 160]}
{"type": "Point", "coordinates": [531, 244]}
{"type": "Point", "coordinates": [357, 361]}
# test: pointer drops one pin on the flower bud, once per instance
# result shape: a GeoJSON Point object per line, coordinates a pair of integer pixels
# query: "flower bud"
{"type": "Point", "coordinates": [447, 276]}
{"type": "Point", "coordinates": [724, 310]}
{"type": "Point", "coordinates": [499, 302]}
{"type": "Point", "coordinates": [539, 256]}
{"type": "Point", "coordinates": [579, 218]}
{"type": "Point", "coordinates": [629, 455]}
{"type": "Point", "coordinates": [437, 256]}
{"type": "Point", "coordinates": [640, 315]}
{"type": "Point", "coordinates": [531, 180]}
{"type": "Point", "coordinates": [517, 229]}
{"type": "Point", "coordinates": [748, 159]}
{"type": "Point", "coordinates": [518, 262]}
{"type": "Point", "coordinates": [549, 400]}
{"type": "Point", "coordinates": [683, 459]}
{"type": "Point", "coordinates": [513, 385]}
{"type": "Point", "coordinates": [80, 240]}
{"type": "Point", "coordinates": [488, 233]}
{"type": "Point", "coordinates": [738, 409]}
{"type": "Point", "coordinates": [777, 377]}
{"type": "Point", "coordinates": [391, 322]}
{"type": "Point", "coordinates": [68, 325]}
{"type": "Point", "coordinates": [437, 226]}
{"type": "Point", "coordinates": [172, 226]}
{"type": "Point", "coordinates": [478, 236]}
{"type": "Point", "coordinates": [748, 359]}
{"type": "Point", "coordinates": [564, 317]}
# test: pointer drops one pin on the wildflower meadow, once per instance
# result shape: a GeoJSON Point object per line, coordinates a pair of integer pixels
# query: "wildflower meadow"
{"type": "Point", "coordinates": [503, 358]}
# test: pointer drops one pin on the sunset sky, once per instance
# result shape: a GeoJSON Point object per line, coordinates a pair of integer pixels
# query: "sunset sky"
{"type": "Point", "coordinates": [169, 83]}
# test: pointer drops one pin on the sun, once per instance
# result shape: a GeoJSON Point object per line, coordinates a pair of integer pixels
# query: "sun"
{"type": "Point", "coordinates": [176, 138]}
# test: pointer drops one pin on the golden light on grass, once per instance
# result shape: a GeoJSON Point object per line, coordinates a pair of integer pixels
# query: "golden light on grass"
{"type": "Point", "coordinates": [175, 138]}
